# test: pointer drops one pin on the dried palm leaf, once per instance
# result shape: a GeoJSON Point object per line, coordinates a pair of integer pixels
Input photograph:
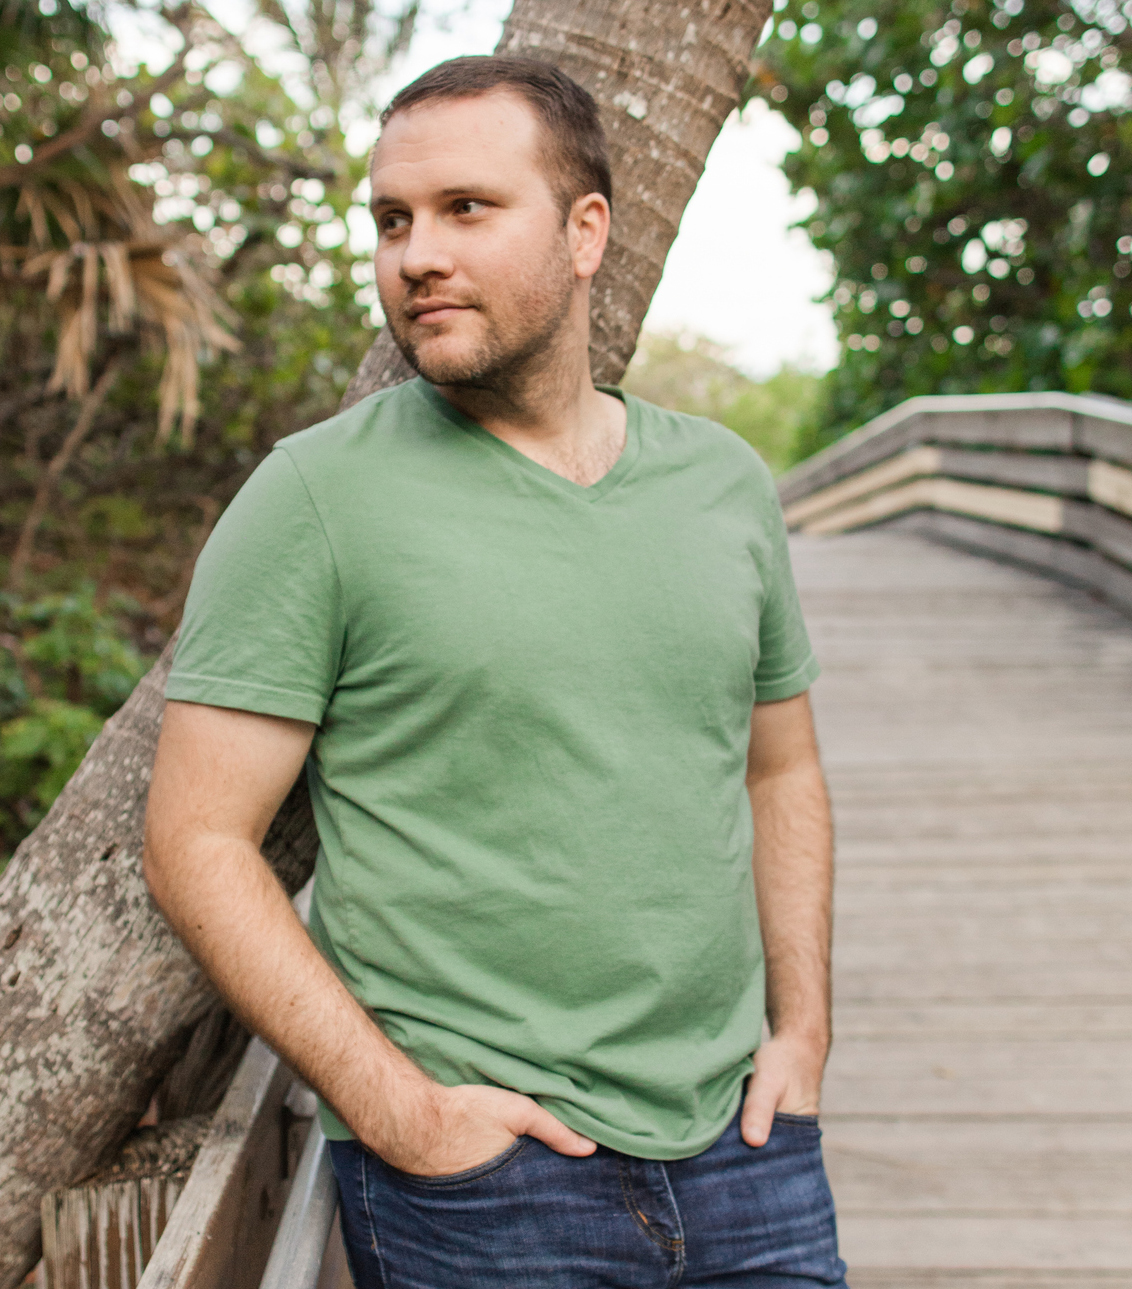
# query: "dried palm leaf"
{"type": "Point", "coordinates": [120, 281]}
{"type": "Point", "coordinates": [31, 203]}
{"type": "Point", "coordinates": [144, 281]}
{"type": "Point", "coordinates": [60, 268]}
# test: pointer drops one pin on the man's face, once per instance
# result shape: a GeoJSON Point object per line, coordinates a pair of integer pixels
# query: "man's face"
{"type": "Point", "coordinates": [474, 268]}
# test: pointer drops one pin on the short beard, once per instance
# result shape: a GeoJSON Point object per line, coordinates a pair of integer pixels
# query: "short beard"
{"type": "Point", "coordinates": [500, 363]}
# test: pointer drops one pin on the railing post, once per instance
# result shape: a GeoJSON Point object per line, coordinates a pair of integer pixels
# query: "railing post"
{"type": "Point", "coordinates": [300, 1243]}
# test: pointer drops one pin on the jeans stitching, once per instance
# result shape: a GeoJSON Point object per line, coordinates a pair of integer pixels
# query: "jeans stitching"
{"type": "Point", "coordinates": [671, 1246]}
{"type": "Point", "coordinates": [364, 1166]}
{"type": "Point", "coordinates": [680, 1248]}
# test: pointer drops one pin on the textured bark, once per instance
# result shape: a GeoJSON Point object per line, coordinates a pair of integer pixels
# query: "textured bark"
{"type": "Point", "coordinates": [97, 997]}
{"type": "Point", "coordinates": [666, 76]}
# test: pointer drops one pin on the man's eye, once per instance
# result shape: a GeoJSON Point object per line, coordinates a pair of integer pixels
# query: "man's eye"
{"type": "Point", "coordinates": [469, 206]}
{"type": "Point", "coordinates": [393, 221]}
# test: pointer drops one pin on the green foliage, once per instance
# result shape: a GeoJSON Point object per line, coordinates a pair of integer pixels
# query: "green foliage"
{"type": "Point", "coordinates": [66, 664]}
{"type": "Point", "coordinates": [691, 374]}
{"type": "Point", "coordinates": [970, 165]}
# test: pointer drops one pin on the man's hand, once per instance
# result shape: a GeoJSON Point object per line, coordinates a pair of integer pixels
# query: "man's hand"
{"type": "Point", "coordinates": [787, 1077]}
{"type": "Point", "coordinates": [449, 1130]}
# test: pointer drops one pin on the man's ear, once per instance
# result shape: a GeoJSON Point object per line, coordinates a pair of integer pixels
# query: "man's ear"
{"type": "Point", "coordinates": [587, 228]}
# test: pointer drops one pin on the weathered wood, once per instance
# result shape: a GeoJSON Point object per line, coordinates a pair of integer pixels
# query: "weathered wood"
{"type": "Point", "coordinates": [1063, 475]}
{"type": "Point", "coordinates": [221, 1231]}
{"type": "Point", "coordinates": [1100, 437]}
{"type": "Point", "coordinates": [335, 1273]}
{"type": "Point", "coordinates": [100, 1235]}
{"type": "Point", "coordinates": [1045, 422]}
{"type": "Point", "coordinates": [304, 1231]}
{"type": "Point", "coordinates": [99, 999]}
{"type": "Point", "coordinates": [1075, 565]}
{"type": "Point", "coordinates": [1067, 476]}
{"type": "Point", "coordinates": [1031, 510]}
{"type": "Point", "coordinates": [976, 723]}
{"type": "Point", "coordinates": [1068, 514]}
{"type": "Point", "coordinates": [1106, 532]}
{"type": "Point", "coordinates": [917, 1278]}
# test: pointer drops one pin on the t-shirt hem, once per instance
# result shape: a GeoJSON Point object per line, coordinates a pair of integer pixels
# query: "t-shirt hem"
{"type": "Point", "coordinates": [333, 1129]}
{"type": "Point", "coordinates": [797, 682]}
{"type": "Point", "coordinates": [639, 1148]}
{"type": "Point", "coordinates": [246, 696]}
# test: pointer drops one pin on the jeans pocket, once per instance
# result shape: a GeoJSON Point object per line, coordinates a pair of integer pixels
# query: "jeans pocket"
{"type": "Point", "coordinates": [796, 1120]}
{"type": "Point", "coordinates": [478, 1173]}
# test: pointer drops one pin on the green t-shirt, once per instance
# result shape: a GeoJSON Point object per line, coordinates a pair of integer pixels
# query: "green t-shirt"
{"type": "Point", "coordinates": [533, 702]}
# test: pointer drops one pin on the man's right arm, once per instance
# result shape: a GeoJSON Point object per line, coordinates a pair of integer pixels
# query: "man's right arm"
{"type": "Point", "coordinates": [219, 777]}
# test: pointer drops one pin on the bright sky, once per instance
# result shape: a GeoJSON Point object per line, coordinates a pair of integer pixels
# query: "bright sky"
{"type": "Point", "coordinates": [737, 273]}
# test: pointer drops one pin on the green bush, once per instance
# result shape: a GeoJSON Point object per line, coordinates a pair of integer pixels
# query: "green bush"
{"type": "Point", "coordinates": [67, 662]}
{"type": "Point", "coordinates": [691, 374]}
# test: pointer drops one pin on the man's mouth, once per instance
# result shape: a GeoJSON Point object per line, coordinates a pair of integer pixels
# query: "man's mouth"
{"type": "Point", "coordinates": [430, 312]}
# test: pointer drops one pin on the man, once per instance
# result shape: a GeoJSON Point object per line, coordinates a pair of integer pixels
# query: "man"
{"type": "Point", "coordinates": [539, 647]}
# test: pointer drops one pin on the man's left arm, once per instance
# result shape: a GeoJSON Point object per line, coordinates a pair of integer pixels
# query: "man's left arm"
{"type": "Point", "coordinates": [793, 863]}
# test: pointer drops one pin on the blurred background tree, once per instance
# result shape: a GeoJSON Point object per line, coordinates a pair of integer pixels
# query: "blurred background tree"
{"type": "Point", "coordinates": [692, 374]}
{"type": "Point", "coordinates": [177, 291]}
{"type": "Point", "coordinates": [970, 162]}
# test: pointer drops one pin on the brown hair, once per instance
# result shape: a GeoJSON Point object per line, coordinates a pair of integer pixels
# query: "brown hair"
{"type": "Point", "coordinates": [575, 152]}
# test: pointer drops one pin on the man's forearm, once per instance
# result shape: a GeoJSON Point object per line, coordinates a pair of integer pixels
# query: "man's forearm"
{"type": "Point", "coordinates": [793, 864]}
{"type": "Point", "coordinates": [237, 921]}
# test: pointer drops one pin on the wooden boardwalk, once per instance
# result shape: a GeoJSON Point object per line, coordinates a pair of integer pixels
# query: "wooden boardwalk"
{"type": "Point", "coordinates": [976, 722]}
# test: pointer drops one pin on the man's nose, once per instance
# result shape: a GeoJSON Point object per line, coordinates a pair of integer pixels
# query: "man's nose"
{"type": "Point", "coordinates": [426, 251]}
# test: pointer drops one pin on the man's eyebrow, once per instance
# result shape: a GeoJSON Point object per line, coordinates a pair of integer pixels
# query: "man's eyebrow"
{"type": "Point", "coordinates": [458, 190]}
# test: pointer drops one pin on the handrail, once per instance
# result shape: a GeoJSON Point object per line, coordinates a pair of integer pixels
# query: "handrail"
{"type": "Point", "coordinates": [304, 1229]}
{"type": "Point", "coordinates": [1039, 479]}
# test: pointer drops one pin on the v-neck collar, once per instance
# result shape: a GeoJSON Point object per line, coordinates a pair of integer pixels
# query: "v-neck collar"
{"type": "Point", "coordinates": [586, 492]}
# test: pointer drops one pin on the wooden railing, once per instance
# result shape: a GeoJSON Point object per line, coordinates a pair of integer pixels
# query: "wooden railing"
{"type": "Point", "coordinates": [1043, 480]}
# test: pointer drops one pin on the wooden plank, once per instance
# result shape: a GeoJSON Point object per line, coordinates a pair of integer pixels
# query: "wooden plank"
{"type": "Point", "coordinates": [987, 1076]}
{"type": "Point", "coordinates": [1046, 422]}
{"type": "Point", "coordinates": [918, 1278]}
{"type": "Point", "coordinates": [976, 722]}
{"type": "Point", "coordinates": [1077, 566]}
{"type": "Point", "coordinates": [1104, 530]}
{"type": "Point", "coordinates": [1037, 430]}
{"type": "Point", "coordinates": [101, 1237]}
{"type": "Point", "coordinates": [992, 1168]}
{"type": "Point", "coordinates": [909, 464]}
{"type": "Point", "coordinates": [989, 1243]}
{"type": "Point", "coordinates": [1110, 440]}
{"type": "Point", "coordinates": [1031, 510]}
{"type": "Point", "coordinates": [335, 1272]}
{"type": "Point", "coordinates": [1057, 1019]}
{"type": "Point", "coordinates": [1065, 475]}
{"type": "Point", "coordinates": [1111, 485]}
{"type": "Point", "coordinates": [220, 1234]}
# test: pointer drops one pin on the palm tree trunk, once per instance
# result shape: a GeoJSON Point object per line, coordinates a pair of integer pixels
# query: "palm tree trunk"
{"type": "Point", "coordinates": [97, 996]}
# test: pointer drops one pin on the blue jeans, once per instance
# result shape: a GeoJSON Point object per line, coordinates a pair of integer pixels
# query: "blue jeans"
{"type": "Point", "coordinates": [733, 1217]}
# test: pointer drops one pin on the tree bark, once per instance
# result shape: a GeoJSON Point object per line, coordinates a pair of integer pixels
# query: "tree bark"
{"type": "Point", "coordinates": [97, 996]}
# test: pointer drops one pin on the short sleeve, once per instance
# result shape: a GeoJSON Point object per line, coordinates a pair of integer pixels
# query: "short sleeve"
{"type": "Point", "coordinates": [263, 628]}
{"type": "Point", "coordinates": [786, 665]}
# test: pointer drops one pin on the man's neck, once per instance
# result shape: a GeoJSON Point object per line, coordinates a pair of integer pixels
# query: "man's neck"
{"type": "Point", "coordinates": [553, 415]}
